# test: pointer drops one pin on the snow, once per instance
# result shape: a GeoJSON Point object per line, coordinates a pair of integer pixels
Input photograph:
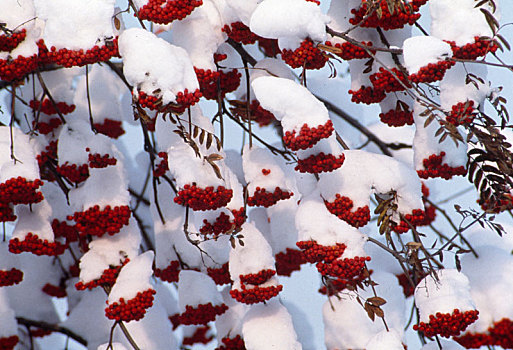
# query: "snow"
{"type": "Point", "coordinates": [113, 346]}
{"type": "Point", "coordinates": [291, 103]}
{"type": "Point", "coordinates": [289, 21]}
{"type": "Point", "coordinates": [133, 278]}
{"type": "Point", "coordinates": [151, 64]}
{"type": "Point", "coordinates": [16, 12]}
{"type": "Point", "coordinates": [74, 138]}
{"type": "Point", "coordinates": [196, 288]}
{"type": "Point", "coordinates": [269, 326]}
{"type": "Point", "coordinates": [75, 24]}
{"type": "Point", "coordinates": [254, 256]}
{"type": "Point", "coordinates": [376, 174]}
{"type": "Point", "coordinates": [419, 51]}
{"type": "Point", "coordinates": [26, 164]}
{"type": "Point", "coordinates": [454, 88]}
{"type": "Point", "coordinates": [35, 220]}
{"type": "Point", "coordinates": [328, 145]}
{"type": "Point", "coordinates": [452, 291]}
{"type": "Point", "coordinates": [101, 254]}
{"type": "Point", "coordinates": [271, 67]}
{"type": "Point", "coordinates": [9, 325]}
{"type": "Point", "coordinates": [282, 225]}
{"type": "Point", "coordinates": [243, 9]}
{"type": "Point", "coordinates": [230, 322]}
{"type": "Point", "coordinates": [385, 340]}
{"type": "Point", "coordinates": [459, 20]}
{"type": "Point", "coordinates": [446, 345]}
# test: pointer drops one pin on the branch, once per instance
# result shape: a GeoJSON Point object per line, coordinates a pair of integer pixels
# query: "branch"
{"type": "Point", "coordinates": [52, 327]}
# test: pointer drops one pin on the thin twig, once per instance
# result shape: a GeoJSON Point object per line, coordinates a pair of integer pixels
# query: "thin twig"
{"type": "Point", "coordinates": [52, 327]}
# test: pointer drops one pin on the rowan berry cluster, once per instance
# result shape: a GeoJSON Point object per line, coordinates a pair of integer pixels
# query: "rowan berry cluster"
{"type": "Point", "coordinates": [203, 199]}
{"type": "Point", "coordinates": [96, 160]}
{"type": "Point", "coordinates": [47, 107]}
{"type": "Point", "coordinates": [221, 276]}
{"type": "Point", "coordinates": [16, 68]}
{"type": "Point", "coordinates": [261, 197]}
{"type": "Point", "coordinates": [50, 152]}
{"type": "Point", "coordinates": [184, 100]}
{"type": "Point", "coordinates": [170, 273]}
{"type": "Point", "coordinates": [260, 115]}
{"type": "Point", "coordinates": [201, 314]}
{"type": "Point", "coordinates": [367, 95]}
{"type": "Point", "coordinates": [73, 172]}
{"type": "Point", "coordinates": [448, 324]}
{"type": "Point", "coordinates": [198, 337]}
{"type": "Point", "coordinates": [344, 269]}
{"type": "Point", "coordinates": [54, 291]}
{"type": "Point", "coordinates": [389, 80]}
{"type": "Point", "coordinates": [332, 286]}
{"type": "Point", "coordinates": [255, 294]}
{"type": "Point", "coordinates": [503, 204]}
{"type": "Point", "coordinates": [235, 343]}
{"type": "Point", "coordinates": [239, 217]}
{"type": "Point", "coordinates": [18, 190]}
{"type": "Point", "coordinates": [8, 343]}
{"type": "Point", "coordinates": [432, 72]}
{"type": "Point", "coordinates": [289, 261]}
{"type": "Point", "coordinates": [305, 56]}
{"type": "Point", "coordinates": [386, 20]}
{"type": "Point", "coordinates": [62, 229]}
{"type": "Point", "coordinates": [257, 278]}
{"type": "Point", "coordinates": [308, 136]}
{"type": "Point", "coordinates": [240, 33]}
{"type": "Point", "coordinates": [499, 334]}
{"type": "Point", "coordinates": [462, 113]}
{"type": "Point", "coordinates": [35, 245]}
{"type": "Point", "coordinates": [222, 224]}
{"type": "Point", "coordinates": [108, 278]}
{"type": "Point", "coordinates": [162, 166]}
{"type": "Point", "coordinates": [166, 11]}
{"type": "Point", "coordinates": [7, 213]}
{"type": "Point", "coordinates": [212, 84]}
{"type": "Point", "coordinates": [69, 58]}
{"type": "Point", "coordinates": [480, 47]}
{"type": "Point", "coordinates": [319, 163]}
{"type": "Point", "coordinates": [433, 167]}
{"type": "Point", "coordinates": [110, 128]}
{"type": "Point", "coordinates": [314, 252]}
{"type": "Point", "coordinates": [342, 207]}
{"type": "Point", "coordinates": [98, 222]}
{"type": "Point", "coordinates": [40, 332]}
{"type": "Point", "coordinates": [10, 277]}
{"type": "Point", "coordinates": [350, 51]}
{"type": "Point", "coordinates": [130, 310]}
{"type": "Point", "coordinates": [46, 127]}
{"type": "Point", "coordinates": [416, 218]}
{"type": "Point", "coordinates": [397, 117]}
{"type": "Point", "coordinates": [10, 41]}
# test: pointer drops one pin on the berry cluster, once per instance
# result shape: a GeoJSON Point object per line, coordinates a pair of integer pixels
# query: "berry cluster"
{"type": "Point", "coordinates": [161, 167]}
{"type": "Point", "coordinates": [432, 72]}
{"type": "Point", "coordinates": [203, 199]}
{"type": "Point", "coordinates": [350, 51]}
{"type": "Point", "coordinates": [256, 294]}
{"type": "Point", "coordinates": [462, 113]}
{"type": "Point", "coordinates": [198, 337]}
{"type": "Point", "coordinates": [54, 291]}
{"type": "Point", "coordinates": [69, 58]}
{"type": "Point", "coordinates": [332, 286]}
{"type": "Point", "coordinates": [416, 218]}
{"type": "Point", "coordinates": [221, 276]}
{"type": "Point", "coordinates": [289, 261]}
{"type": "Point", "coordinates": [397, 117]}
{"type": "Point", "coordinates": [48, 108]}
{"type": "Point", "coordinates": [235, 343]}
{"type": "Point", "coordinates": [307, 136]}
{"type": "Point", "coordinates": [480, 47]}
{"type": "Point", "coordinates": [257, 278]}
{"type": "Point", "coordinates": [166, 11]}
{"type": "Point", "coordinates": [10, 41]}
{"type": "Point", "coordinates": [49, 153]}
{"type": "Point", "coordinates": [40, 332]}
{"type": "Point", "coordinates": [399, 17]}
{"type": "Point", "coordinates": [96, 160]}
{"type": "Point", "coordinates": [240, 217]}
{"type": "Point", "coordinates": [314, 252]}
{"type": "Point", "coordinates": [18, 190]}
{"type": "Point", "coordinates": [110, 128]}
{"type": "Point", "coordinates": [240, 33]}
{"type": "Point", "coordinates": [217, 83]}
{"type": "Point", "coordinates": [342, 207]}
{"type": "Point", "coordinates": [35, 245]}
{"type": "Point", "coordinates": [404, 282]}
{"type": "Point", "coordinates": [201, 314]}
{"type": "Point", "coordinates": [184, 99]}
{"type": "Point", "coordinates": [98, 222]}
{"type": "Point", "coordinates": [367, 95]}
{"type": "Point", "coordinates": [389, 80]}
{"type": "Point", "coordinates": [170, 273]}
{"type": "Point", "coordinates": [7, 213]}
{"type": "Point", "coordinates": [14, 69]}
{"type": "Point", "coordinates": [306, 55]}
{"type": "Point", "coordinates": [263, 198]}
{"type": "Point", "coordinates": [318, 163]}
{"type": "Point", "coordinates": [131, 310]}
{"type": "Point", "coordinates": [108, 278]}
{"type": "Point", "coordinates": [434, 168]}
{"type": "Point", "coordinates": [504, 203]}
{"type": "Point", "coordinates": [343, 269]}
{"type": "Point", "coordinates": [221, 225]}
{"type": "Point", "coordinates": [8, 343]}
{"type": "Point", "coordinates": [447, 325]}
{"type": "Point", "coordinates": [46, 127]}
{"type": "Point", "coordinates": [62, 229]}
{"type": "Point", "coordinates": [73, 172]}
{"type": "Point", "coordinates": [499, 334]}
{"type": "Point", "coordinates": [10, 277]}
